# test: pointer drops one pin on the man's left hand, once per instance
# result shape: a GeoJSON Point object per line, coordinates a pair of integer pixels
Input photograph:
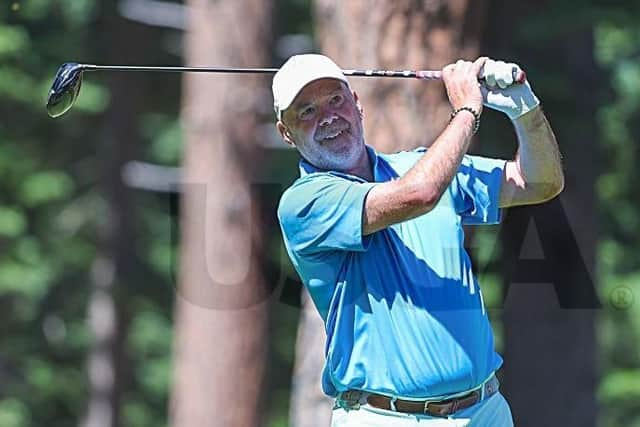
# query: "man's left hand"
{"type": "Point", "coordinates": [501, 93]}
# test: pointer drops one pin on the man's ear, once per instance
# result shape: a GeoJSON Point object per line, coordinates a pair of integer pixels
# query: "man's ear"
{"type": "Point", "coordinates": [358, 105]}
{"type": "Point", "coordinates": [284, 133]}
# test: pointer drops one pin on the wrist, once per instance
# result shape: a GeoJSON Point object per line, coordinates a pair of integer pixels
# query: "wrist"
{"type": "Point", "coordinates": [524, 101]}
{"type": "Point", "coordinates": [528, 117]}
{"type": "Point", "coordinates": [530, 120]}
{"type": "Point", "coordinates": [472, 116]}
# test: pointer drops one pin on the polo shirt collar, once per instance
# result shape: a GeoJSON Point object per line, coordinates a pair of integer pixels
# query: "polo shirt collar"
{"type": "Point", "coordinates": [307, 168]}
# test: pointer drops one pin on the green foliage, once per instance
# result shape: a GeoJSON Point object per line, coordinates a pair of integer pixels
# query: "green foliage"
{"type": "Point", "coordinates": [77, 12]}
{"type": "Point", "coordinates": [94, 98]}
{"type": "Point", "coordinates": [621, 390]}
{"type": "Point", "coordinates": [136, 414]}
{"type": "Point", "coordinates": [17, 86]}
{"type": "Point", "coordinates": [12, 222]}
{"type": "Point", "coordinates": [45, 187]}
{"type": "Point", "coordinates": [622, 387]}
{"type": "Point", "coordinates": [13, 413]}
{"type": "Point", "coordinates": [150, 340]}
{"type": "Point", "coordinates": [13, 41]}
{"type": "Point", "coordinates": [293, 16]}
{"type": "Point", "coordinates": [165, 134]}
{"type": "Point", "coordinates": [617, 37]}
{"type": "Point", "coordinates": [53, 216]}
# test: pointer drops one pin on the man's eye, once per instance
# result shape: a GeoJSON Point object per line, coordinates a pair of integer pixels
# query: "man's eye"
{"type": "Point", "coordinates": [307, 112]}
{"type": "Point", "coordinates": [337, 100]}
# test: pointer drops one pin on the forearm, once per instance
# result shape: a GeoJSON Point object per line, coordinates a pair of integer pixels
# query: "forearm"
{"type": "Point", "coordinates": [419, 190]}
{"type": "Point", "coordinates": [432, 174]}
{"type": "Point", "coordinates": [538, 158]}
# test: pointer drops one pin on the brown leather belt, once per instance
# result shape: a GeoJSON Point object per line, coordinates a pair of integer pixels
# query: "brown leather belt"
{"type": "Point", "coordinates": [439, 408]}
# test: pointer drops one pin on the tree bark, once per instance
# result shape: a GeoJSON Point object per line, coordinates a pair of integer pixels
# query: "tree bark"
{"type": "Point", "coordinates": [404, 34]}
{"type": "Point", "coordinates": [398, 114]}
{"type": "Point", "coordinates": [221, 309]}
{"type": "Point", "coordinates": [310, 407]}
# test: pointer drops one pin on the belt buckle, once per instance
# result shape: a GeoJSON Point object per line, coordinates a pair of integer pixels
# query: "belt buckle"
{"type": "Point", "coordinates": [349, 399]}
{"type": "Point", "coordinates": [450, 407]}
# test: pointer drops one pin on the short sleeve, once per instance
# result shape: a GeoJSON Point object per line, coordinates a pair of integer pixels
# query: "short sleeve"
{"type": "Point", "coordinates": [476, 189]}
{"type": "Point", "coordinates": [323, 212]}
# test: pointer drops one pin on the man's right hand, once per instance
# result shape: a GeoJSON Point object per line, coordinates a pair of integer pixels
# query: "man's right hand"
{"type": "Point", "coordinates": [461, 81]}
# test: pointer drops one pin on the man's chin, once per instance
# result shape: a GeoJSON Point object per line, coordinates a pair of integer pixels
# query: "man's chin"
{"type": "Point", "coordinates": [347, 150]}
{"type": "Point", "coordinates": [338, 157]}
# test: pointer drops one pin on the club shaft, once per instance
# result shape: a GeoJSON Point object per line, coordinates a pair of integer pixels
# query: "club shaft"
{"type": "Point", "coordinates": [90, 67]}
{"type": "Point", "coordinates": [425, 75]}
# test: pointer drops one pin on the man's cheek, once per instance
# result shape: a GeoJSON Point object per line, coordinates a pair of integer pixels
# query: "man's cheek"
{"type": "Point", "coordinates": [309, 132]}
{"type": "Point", "coordinates": [309, 128]}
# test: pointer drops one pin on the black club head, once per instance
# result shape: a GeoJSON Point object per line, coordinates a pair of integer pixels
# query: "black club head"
{"type": "Point", "coordinates": [65, 89]}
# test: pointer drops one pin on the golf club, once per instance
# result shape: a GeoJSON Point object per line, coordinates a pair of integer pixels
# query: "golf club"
{"type": "Point", "coordinates": [66, 84]}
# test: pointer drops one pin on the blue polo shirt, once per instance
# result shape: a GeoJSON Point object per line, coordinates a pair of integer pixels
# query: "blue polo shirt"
{"type": "Point", "coordinates": [403, 311]}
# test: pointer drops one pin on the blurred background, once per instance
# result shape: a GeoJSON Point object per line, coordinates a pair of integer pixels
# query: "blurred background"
{"type": "Point", "coordinates": [143, 281]}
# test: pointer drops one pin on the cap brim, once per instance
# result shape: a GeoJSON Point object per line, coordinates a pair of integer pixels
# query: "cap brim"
{"type": "Point", "coordinates": [292, 95]}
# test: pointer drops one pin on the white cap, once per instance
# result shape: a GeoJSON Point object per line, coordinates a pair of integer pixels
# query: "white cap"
{"type": "Point", "coordinates": [296, 73]}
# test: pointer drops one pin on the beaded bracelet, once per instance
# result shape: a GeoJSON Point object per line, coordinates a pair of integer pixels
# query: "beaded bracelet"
{"type": "Point", "coordinates": [476, 117]}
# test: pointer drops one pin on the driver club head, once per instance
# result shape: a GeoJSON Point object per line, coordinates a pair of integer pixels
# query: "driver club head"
{"type": "Point", "coordinates": [65, 89]}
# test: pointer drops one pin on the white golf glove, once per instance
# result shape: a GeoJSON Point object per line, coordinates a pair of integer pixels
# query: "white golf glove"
{"type": "Point", "coordinates": [503, 94]}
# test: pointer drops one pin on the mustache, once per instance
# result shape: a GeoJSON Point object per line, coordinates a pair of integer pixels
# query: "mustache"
{"type": "Point", "coordinates": [337, 126]}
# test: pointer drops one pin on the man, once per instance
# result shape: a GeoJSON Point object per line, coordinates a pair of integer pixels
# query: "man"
{"type": "Point", "coordinates": [378, 242]}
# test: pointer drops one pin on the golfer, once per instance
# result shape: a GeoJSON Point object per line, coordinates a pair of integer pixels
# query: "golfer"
{"type": "Point", "coordinates": [377, 240]}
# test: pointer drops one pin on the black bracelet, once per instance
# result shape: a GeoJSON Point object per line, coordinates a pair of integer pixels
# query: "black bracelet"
{"type": "Point", "coordinates": [476, 117]}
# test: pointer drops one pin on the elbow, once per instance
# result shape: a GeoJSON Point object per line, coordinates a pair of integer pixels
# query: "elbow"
{"type": "Point", "coordinates": [560, 185]}
{"type": "Point", "coordinates": [428, 202]}
{"type": "Point", "coordinates": [553, 189]}
{"type": "Point", "coordinates": [423, 199]}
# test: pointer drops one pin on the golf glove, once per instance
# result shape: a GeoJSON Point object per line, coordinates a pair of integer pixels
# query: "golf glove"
{"type": "Point", "coordinates": [501, 93]}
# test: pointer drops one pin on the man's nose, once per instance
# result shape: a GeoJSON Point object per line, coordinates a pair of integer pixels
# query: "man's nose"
{"type": "Point", "coordinates": [328, 119]}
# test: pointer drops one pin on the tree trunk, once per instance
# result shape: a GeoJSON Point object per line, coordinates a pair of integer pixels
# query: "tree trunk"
{"type": "Point", "coordinates": [310, 407]}
{"type": "Point", "coordinates": [403, 34]}
{"type": "Point", "coordinates": [221, 308]}
{"type": "Point", "coordinates": [398, 114]}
